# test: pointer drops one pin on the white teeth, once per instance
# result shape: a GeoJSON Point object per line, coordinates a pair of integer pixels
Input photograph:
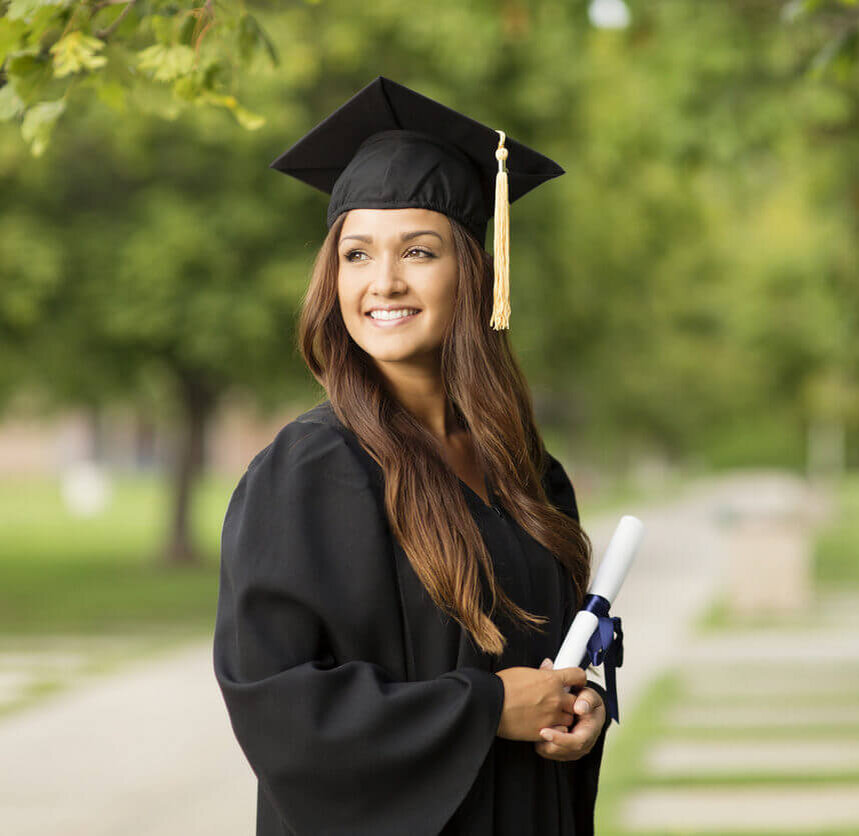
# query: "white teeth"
{"type": "Point", "coordinates": [396, 314]}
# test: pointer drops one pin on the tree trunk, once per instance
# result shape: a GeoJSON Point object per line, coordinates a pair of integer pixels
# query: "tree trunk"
{"type": "Point", "coordinates": [198, 403]}
{"type": "Point", "coordinates": [95, 421]}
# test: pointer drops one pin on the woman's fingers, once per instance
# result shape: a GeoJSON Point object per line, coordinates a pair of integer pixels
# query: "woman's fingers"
{"type": "Point", "coordinates": [563, 746]}
{"type": "Point", "coordinates": [574, 677]}
{"type": "Point", "coordinates": [568, 746]}
{"type": "Point", "coordinates": [587, 700]}
{"type": "Point", "coordinates": [580, 739]}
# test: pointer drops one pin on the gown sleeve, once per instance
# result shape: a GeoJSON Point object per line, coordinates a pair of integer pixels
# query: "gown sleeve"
{"type": "Point", "coordinates": [306, 611]}
{"type": "Point", "coordinates": [559, 487]}
{"type": "Point", "coordinates": [584, 772]}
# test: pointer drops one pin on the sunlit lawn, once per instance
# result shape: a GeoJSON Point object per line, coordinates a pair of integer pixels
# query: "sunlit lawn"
{"type": "Point", "coordinates": [837, 549]}
{"type": "Point", "coordinates": [62, 573]}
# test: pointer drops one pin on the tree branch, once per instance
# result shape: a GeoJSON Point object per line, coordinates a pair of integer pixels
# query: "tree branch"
{"type": "Point", "coordinates": [105, 33]}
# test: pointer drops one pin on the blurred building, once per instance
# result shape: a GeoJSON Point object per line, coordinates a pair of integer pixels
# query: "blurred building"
{"type": "Point", "coordinates": [122, 440]}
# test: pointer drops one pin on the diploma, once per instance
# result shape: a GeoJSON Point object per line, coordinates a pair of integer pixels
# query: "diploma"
{"type": "Point", "coordinates": [595, 637]}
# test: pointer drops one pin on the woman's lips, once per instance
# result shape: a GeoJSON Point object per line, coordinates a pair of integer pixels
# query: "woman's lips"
{"type": "Point", "coordinates": [390, 323]}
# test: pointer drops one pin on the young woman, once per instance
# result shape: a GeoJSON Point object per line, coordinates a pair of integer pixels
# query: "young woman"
{"type": "Point", "coordinates": [401, 563]}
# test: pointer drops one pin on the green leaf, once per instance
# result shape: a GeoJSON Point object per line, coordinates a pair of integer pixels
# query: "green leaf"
{"type": "Point", "coordinates": [47, 23]}
{"type": "Point", "coordinates": [163, 28]}
{"type": "Point", "coordinates": [248, 120]}
{"type": "Point", "coordinates": [216, 74]}
{"type": "Point", "coordinates": [113, 94]}
{"type": "Point", "coordinates": [837, 55]}
{"type": "Point", "coordinates": [167, 62]}
{"type": "Point", "coordinates": [39, 122]}
{"type": "Point", "coordinates": [11, 32]}
{"type": "Point", "coordinates": [185, 30]}
{"type": "Point", "coordinates": [76, 52]}
{"type": "Point", "coordinates": [247, 39]}
{"type": "Point", "coordinates": [219, 99]}
{"type": "Point", "coordinates": [186, 88]}
{"type": "Point", "coordinates": [251, 37]}
{"type": "Point", "coordinates": [25, 9]}
{"type": "Point", "coordinates": [10, 102]}
{"type": "Point", "coordinates": [31, 73]}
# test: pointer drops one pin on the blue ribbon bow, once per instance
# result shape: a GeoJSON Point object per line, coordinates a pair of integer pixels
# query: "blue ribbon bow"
{"type": "Point", "coordinates": [605, 646]}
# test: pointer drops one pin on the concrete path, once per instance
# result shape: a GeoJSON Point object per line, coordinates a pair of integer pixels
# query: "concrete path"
{"type": "Point", "coordinates": [744, 809]}
{"type": "Point", "coordinates": [709, 758]}
{"type": "Point", "coordinates": [148, 752]}
{"type": "Point", "coordinates": [151, 751]}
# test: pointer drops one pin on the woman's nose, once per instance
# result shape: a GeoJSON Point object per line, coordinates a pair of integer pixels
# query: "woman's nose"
{"type": "Point", "coordinates": [387, 278]}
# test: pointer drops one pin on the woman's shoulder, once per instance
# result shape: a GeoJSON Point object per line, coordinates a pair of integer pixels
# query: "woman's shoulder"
{"type": "Point", "coordinates": [300, 499]}
{"type": "Point", "coordinates": [558, 486]}
{"type": "Point", "coordinates": [313, 447]}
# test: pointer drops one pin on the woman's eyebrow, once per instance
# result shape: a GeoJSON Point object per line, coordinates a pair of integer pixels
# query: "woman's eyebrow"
{"type": "Point", "coordinates": [406, 236]}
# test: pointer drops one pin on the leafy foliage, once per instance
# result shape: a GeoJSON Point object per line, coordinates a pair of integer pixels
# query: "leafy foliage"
{"type": "Point", "coordinates": [50, 50]}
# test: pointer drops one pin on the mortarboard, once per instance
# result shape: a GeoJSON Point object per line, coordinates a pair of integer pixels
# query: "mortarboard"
{"type": "Point", "coordinates": [390, 147]}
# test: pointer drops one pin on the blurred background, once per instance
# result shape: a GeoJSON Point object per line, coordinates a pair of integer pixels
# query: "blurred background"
{"type": "Point", "coordinates": [685, 304]}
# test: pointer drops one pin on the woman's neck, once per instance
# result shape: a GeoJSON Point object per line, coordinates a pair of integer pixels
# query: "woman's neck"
{"type": "Point", "coordinates": [421, 391]}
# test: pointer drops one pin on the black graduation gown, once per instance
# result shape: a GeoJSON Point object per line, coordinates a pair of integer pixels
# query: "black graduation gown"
{"type": "Point", "coordinates": [361, 707]}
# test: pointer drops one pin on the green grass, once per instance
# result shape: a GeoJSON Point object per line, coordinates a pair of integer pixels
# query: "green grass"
{"type": "Point", "coordinates": [836, 552]}
{"type": "Point", "coordinates": [60, 573]}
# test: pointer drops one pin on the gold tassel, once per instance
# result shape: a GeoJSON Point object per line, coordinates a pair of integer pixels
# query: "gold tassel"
{"type": "Point", "coordinates": [501, 246]}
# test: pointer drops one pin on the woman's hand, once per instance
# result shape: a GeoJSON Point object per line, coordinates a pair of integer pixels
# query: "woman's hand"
{"type": "Point", "coordinates": [536, 698]}
{"type": "Point", "coordinates": [566, 745]}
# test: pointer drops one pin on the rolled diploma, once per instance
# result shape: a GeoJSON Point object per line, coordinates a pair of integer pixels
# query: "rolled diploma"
{"type": "Point", "coordinates": [615, 564]}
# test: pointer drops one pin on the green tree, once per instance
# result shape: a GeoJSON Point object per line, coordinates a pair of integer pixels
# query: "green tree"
{"type": "Point", "coordinates": [130, 54]}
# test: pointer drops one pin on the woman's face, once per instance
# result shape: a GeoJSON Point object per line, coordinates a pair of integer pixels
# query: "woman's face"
{"type": "Point", "coordinates": [402, 261]}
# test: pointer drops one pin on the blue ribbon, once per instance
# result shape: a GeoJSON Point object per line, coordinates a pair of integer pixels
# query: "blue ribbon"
{"type": "Point", "coordinates": [605, 646]}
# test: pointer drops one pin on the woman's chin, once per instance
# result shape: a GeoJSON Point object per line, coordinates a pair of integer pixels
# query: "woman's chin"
{"type": "Point", "coordinates": [410, 353]}
{"type": "Point", "coordinates": [389, 356]}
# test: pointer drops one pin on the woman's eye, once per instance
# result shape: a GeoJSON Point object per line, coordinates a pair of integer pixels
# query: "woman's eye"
{"type": "Point", "coordinates": [420, 250]}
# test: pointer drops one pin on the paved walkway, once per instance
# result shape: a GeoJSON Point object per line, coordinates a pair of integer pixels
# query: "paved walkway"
{"type": "Point", "coordinates": [764, 735]}
{"type": "Point", "coordinates": [723, 810]}
{"type": "Point", "coordinates": [150, 751]}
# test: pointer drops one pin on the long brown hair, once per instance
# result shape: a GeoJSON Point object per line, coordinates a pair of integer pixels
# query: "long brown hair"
{"type": "Point", "coordinates": [489, 397]}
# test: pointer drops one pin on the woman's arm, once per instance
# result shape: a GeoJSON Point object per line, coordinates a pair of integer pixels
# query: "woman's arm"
{"type": "Point", "coordinates": [308, 632]}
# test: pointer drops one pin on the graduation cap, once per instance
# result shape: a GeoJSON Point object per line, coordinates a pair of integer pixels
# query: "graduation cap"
{"type": "Point", "coordinates": [389, 147]}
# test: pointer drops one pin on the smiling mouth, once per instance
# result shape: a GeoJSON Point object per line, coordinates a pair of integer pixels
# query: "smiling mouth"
{"type": "Point", "coordinates": [386, 320]}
